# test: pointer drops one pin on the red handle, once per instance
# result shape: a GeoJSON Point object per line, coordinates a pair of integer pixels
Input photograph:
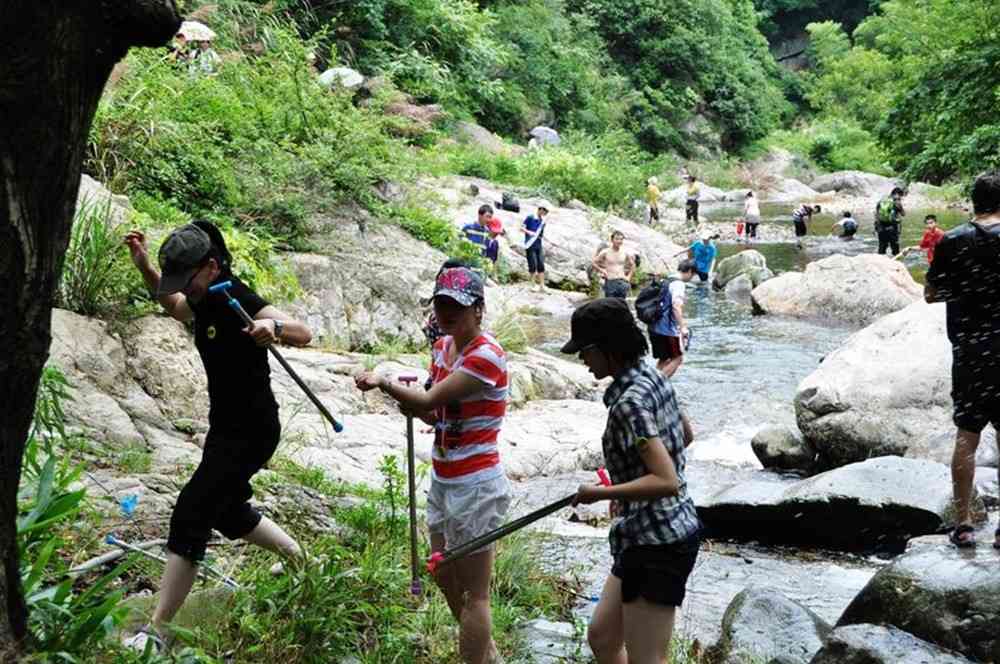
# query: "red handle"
{"type": "Point", "coordinates": [434, 561]}
{"type": "Point", "coordinates": [602, 474]}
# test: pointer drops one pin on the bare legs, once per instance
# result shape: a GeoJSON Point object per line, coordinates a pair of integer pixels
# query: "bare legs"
{"type": "Point", "coordinates": [963, 474]}
{"type": "Point", "coordinates": [466, 587]}
{"type": "Point", "coordinates": [635, 633]}
{"type": "Point", "coordinates": [179, 573]}
{"type": "Point", "coordinates": [669, 367]}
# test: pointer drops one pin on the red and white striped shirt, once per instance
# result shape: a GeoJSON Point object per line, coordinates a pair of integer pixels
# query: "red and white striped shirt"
{"type": "Point", "coordinates": [465, 438]}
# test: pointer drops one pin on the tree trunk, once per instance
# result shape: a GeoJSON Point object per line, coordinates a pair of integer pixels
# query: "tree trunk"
{"type": "Point", "coordinates": [55, 57]}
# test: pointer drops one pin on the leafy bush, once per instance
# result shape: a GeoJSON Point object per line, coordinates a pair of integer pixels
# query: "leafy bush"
{"type": "Point", "coordinates": [97, 273]}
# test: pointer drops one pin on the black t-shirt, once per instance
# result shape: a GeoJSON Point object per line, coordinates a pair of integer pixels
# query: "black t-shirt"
{"type": "Point", "coordinates": [966, 274]}
{"type": "Point", "coordinates": [239, 376]}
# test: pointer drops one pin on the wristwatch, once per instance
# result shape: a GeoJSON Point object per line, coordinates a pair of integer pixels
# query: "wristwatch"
{"type": "Point", "coordinates": [278, 329]}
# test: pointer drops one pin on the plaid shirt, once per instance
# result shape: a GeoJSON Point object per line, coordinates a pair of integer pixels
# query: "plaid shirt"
{"type": "Point", "coordinates": [642, 404]}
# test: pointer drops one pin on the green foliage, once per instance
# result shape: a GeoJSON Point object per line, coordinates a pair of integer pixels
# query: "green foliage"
{"type": "Point", "coordinates": [255, 263]}
{"type": "Point", "coordinates": [834, 144]}
{"type": "Point", "coordinates": [689, 57]}
{"type": "Point", "coordinates": [509, 331]}
{"type": "Point", "coordinates": [64, 624]}
{"type": "Point", "coordinates": [97, 273]}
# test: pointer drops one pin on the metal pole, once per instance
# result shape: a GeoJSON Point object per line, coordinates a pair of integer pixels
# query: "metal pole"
{"type": "Point", "coordinates": [416, 588]}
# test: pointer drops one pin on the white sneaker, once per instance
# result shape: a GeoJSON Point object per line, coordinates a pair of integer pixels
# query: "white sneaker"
{"type": "Point", "coordinates": [142, 640]}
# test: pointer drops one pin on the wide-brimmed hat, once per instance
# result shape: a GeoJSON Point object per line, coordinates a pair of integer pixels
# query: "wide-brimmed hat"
{"type": "Point", "coordinates": [461, 284]}
{"type": "Point", "coordinates": [598, 322]}
{"type": "Point", "coordinates": [181, 254]}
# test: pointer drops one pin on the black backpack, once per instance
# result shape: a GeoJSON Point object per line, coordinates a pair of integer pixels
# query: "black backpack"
{"type": "Point", "coordinates": [647, 304]}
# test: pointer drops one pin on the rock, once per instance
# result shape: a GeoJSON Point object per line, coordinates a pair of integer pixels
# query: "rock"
{"type": "Point", "coordinates": [344, 77]}
{"type": "Point", "coordinates": [878, 503]}
{"type": "Point", "coordinates": [95, 195]}
{"type": "Point", "coordinates": [545, 136]}
{"type": "Point", "coordinates": [750, 263]}
{"type": "Point", "coordinates": [988, 486]}
{"type": "Point", "coordinates": [875, 644]}
{"type": "Point", "coordinates": [779, 162]}
{"type": "Point", "coordinates": [735, 196]}
{"type": "Point", "coordinates": [547, 642]}
{"type": "Point", "coordinates": [421, 117]}
{"type": "Point", "coordinates": [576, 204]}
{"type": "Point", "coordinates": [709, 194]}
{"type": "Point", "coordinates": [851, 289]}
{"type": "Point", "coordinates": [783, 449]}
{"type": "Point", "coordinates": [855, 183]}
{"type": "Point", "coordinates": [887, 390]}
{"type": "Point", "coordinates": [470, 132]}
{"type": "Point", "coordinates": [572, 237]}
{"type": "Point", "coordinates": [536, 375]}
{"type": "Point", "coordinates": [939, 594]}
{"type": "Point", "coordinates": [762, 623]}
{"type": "Point", "coordinates": [782, 190]}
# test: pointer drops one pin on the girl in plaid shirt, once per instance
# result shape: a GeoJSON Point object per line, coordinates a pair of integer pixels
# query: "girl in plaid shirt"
{"type": "Point", "coordinates": [655, 542]}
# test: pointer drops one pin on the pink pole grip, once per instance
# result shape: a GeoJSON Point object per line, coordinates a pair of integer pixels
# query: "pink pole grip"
{"type": "Point", "coordinates": [434, 561]}
{"type": "Point", "coordinates": [603, 475]}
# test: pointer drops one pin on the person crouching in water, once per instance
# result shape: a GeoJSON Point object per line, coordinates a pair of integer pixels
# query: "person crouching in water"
{"type": "Point", "coordinates": [469, 492]}
{"type": "Point", "coordinates": [655, 542]}
{"type": "Point", "coordinates": [846, 228]}
{"type": "Point", "coordinates": [243, 415]}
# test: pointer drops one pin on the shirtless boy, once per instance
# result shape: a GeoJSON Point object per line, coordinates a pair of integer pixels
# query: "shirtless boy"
{"type": "Point", "coordinates": [615, 267]}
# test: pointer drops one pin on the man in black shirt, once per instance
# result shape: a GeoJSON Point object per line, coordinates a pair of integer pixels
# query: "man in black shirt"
{"type": "Point", "coordinates": [966, 274]}
{"type": "Point", "coordinates": [243, 418]}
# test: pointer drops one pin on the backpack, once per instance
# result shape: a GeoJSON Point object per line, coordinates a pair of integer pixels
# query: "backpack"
{"type": "Point", "coordinates": [884, 211]}
{"type": "Point", "coordinates": [648, 307]}
{"type": "Point", "coordinates": [509, 202]}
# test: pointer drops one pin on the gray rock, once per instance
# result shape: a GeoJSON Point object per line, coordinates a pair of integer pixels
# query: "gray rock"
{"type": "Point", "coordinates": [782, 163]}
{"type": "Point", "coordinates": [749, 262]}
{"type": "Point", "coordinates": [940, 594]}
{"type": "Point", "coordinates": [988, 486]}
{"type": "Point", "coordinates": [875, 644]}
{"type": "Point", "coordinates": [783, 190]}
{"type": "Point", "coordinates": [782, 448]}
{"type": "Point", "coordinates": [852, 289]}
{"type": "Point", "coordinates": [545, 135]}
{"type": "Point", "coordinates": [709, 194]}
{"type": "Point", "coordinates": [94, 194]}
{"type": "Point", "coordinates": [887, 390]}
{"type": "Point", "coordinates": [762, 623]}
{"type": "Point", "coordinates": [855, 183]}
{"type": "Point", "coordinates": [875, 504]}
{"type": "Point", "coordinates": [344, 77]}
{"type": "Point", "coordinates": [549, 642]}
{"type": "Point", "coordinates": [470, 132]}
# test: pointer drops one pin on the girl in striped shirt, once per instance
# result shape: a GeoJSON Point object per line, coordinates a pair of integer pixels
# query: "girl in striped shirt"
{"type": "Point", "coordinates": [469, 492]}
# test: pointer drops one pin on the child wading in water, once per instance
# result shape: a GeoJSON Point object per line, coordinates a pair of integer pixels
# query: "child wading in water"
{"type": "Point", "coordinates": [469, 492]}
{"type": "Point", "coordinates": [655, 542]}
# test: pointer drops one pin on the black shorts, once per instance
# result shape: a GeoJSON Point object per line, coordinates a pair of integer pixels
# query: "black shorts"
{"type": "Point", "coordinates": [616, 288]}
{"type": "Point", "coordinates": [702, 275]}
{"type": "Point", "coordinates": [975, 388]}
{"type": "Point", "coordinates": [217, 494]}
{"type": "Point", "coordinates": [665, 347]}
{"type": "Point", "coordinates": [658, 574]}
{"type": "Point", "coordinates": [752, 228]}
{"type": "Point", "coordinates": [800, 228]}
{"type": "Point", "coordinates": [654, 213]}
{"type": "Point", "coordinates": [536, 258]}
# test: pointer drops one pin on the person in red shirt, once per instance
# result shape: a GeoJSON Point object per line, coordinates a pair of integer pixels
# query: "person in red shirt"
{"type": "Point", "coordinates": [929, 241]}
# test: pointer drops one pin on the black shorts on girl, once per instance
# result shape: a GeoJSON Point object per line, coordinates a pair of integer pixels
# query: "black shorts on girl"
{"type": "Point", "coordinates": [658, 574]}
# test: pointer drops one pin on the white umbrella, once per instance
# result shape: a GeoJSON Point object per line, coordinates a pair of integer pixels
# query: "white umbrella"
{"type": "Point", "coordinates": [195, 31]}
{"type": "Point", "coordinates": [545, 135]}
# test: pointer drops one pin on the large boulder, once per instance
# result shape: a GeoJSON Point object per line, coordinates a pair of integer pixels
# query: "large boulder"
{"type": "Point", "coordinates": [782, 448]}
{"type": "Point", "coordinates": [778, 162]}
{"type": "Point", "coordinates": [879, 503]}
{"type": "Point", "coordinates": [851, 289]}
{"type": "Point", "coordinates": [344, 77]}
{"type": "Point", "coordinates": [875, 644]}
{"type": "Point", "coordinates": [855, 183]}
{"type": "Point", "coordinates": [785, 190]}
{"type": "Point", "coordinates": [94, 195]}
{"type": "Point", "coordinates": [481, 137]}
{"type": "Point", "coordinates": [572, 236]}
{"type": "Point", "coordinates": [750, 263]}
{"type": "Point", "coordinates": [887, 390]}
{"type": "Point", "coordinates": [709, 194]}
{"type": "Point", "coordinates": [418, 118]}
{"type": "Point", "coordinates": [761, 623]}
{"type": "Point", "coordinates": [940, 594]}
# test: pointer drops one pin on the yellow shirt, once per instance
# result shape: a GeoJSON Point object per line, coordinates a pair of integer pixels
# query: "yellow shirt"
{"type": "Point", "coordinates": [694, 191]}
{"type": "Point", "coordinates": [652, 194]}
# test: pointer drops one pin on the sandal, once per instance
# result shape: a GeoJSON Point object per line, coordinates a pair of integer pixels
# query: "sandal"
{"type": "Point", "coordinates": [963, 536]}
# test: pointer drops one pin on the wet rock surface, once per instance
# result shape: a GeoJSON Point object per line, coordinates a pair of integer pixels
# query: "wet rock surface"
{"type": "Point", "coordinates": [748, 263]}
{"type": "Point", "coordinates": [783, 448]}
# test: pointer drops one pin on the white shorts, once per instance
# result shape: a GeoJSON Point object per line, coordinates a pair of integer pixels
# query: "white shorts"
{"type": "Point", "coordinates": [462, 512]}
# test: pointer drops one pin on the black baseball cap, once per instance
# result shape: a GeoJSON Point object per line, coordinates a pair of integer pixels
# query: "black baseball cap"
{"type": "Point", "coordinates": [181, 254]}
{"type": "Point", "coordinates": [600, 321]}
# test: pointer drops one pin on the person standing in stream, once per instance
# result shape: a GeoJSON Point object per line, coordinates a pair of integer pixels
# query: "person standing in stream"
{"type": "Point", "coordinates": [888, 218]}
{"type": "Point", "coordinates": [243, 415]}
{"type": "Point", "coordinates": [751, 215]}
{"type": "Point", "coordinates": [534, 230]}
{"type": "Point", "coordinates": [615, 266]}
{"type": "Point", "coordinates": [469, 492]}
{"type": "Point", "coordinates": [965, 274]}
{"type": "Point", "coordinates": [693, 197]}
{"type": "Point", "coordinates": [655, 542]}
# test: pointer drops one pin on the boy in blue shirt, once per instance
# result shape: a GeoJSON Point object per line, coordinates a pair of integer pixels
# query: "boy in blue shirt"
{"type": "Point", "coordinates": [666, 336]}
{"type": "Point", "coordinates": [534, 229]}
{"type": "Point", "coordinates": [480, 234]}
{"type": "Point", "coordinates": [703, 254]}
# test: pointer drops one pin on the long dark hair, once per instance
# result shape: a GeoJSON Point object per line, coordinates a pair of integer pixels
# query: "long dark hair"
{"type": "Point", "coordinates": [219, 250]}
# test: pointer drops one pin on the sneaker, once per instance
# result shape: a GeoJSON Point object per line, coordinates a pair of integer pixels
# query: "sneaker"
{"type": "Point", "coordinates": [143, 639]}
